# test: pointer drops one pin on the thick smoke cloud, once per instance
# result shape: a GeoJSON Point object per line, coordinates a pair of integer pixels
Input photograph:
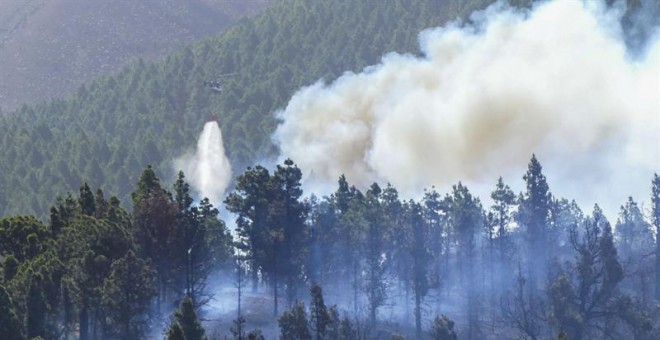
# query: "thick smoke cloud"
{"type": "Point", "coordinates": [208, 170]}
{"type": "Point", "coordinates": [557, 81]}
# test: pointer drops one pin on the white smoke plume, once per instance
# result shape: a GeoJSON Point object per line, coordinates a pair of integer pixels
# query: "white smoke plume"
{"type": "Point", "coordinates": [556, 81]}
{"type": "Point", "coordinates": [208, 171]}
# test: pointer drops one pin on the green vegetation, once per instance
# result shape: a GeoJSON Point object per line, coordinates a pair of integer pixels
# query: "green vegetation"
{"type": "Point", "coordinates": [152, 112]}
{"type": "Point", "coordinates": [98, 271]}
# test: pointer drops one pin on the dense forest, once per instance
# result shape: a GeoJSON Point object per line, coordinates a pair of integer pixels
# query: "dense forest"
{"type": "Point", "coordinates": [101, 237]}
{"type": "Point", "coordinates": [151, 112]}
{"type": "Point", "coordinates": [352, 265]}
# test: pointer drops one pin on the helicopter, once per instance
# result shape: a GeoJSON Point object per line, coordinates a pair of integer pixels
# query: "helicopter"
{"type": "Point", "coordinates": [216, 85]}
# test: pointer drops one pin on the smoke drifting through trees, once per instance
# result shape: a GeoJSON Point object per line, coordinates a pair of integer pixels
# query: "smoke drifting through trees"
{"type": "Point", "coordinates": [557, 81]}
{"type": "Point", "coordinates": [209, 168]}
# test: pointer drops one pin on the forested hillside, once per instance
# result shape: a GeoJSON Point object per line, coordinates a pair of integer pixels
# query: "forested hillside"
{"type": "Point", "coordinates": [48, 48]}
{"type": "Point", "coordinates": [151, 112]}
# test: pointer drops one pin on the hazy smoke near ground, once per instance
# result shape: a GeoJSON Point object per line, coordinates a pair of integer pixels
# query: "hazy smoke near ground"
{"type": "Point", "coordinates": [556, 81]}
{"type": "Point", "coordinates": [208, 171]}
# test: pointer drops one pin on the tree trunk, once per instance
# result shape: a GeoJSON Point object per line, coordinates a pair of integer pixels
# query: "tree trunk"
{"type": "Point", "coordinates": [418, 316]}
{"type": "Point", "coordinates": [355, 289]}
{"type": "Point", "coordinates": [255, 278]}
{"type": "Point", "coordinates": [275, 296]}
{"type": "Point", "coordinates": [657, 265]}
{"type": "Point", "coordinates": [83, 319]}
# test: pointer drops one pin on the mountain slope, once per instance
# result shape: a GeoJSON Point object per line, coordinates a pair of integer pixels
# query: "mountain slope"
{"type": "Point", "coordinates": [48, 48]}
{"type": "Point", "coordinates": [152, 112]}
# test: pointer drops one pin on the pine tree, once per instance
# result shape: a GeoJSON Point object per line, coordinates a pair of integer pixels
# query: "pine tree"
{"type": "Point", "coordinates": [443, 329]}
{"type": "Point", "coordinates": [376, 264]}
{"type": "Point", "coordinates": [155, 220]}
{"type": "Point", "coordinates": [86, 201]}
{"type": "Point", "coordinates": [467, 220]}
{"type": "Point", "coordinates": [9, 267]}
{"type": "Point", "coordinates": [238, 328]}
{"type": "Point", "coordinates": [250, 202]}
{"type": "Point", "coordinates": [420, 255]}
{"type": "Point", "coordinates": [635, 242]}
{"type": "Point", "coordinates": [10, 326]}
{"type": "Point", "coordinates": [127, 295]}
{"type": "Point", "coordinates": [533, 217]}
{"type": "Point", "coordinates": [591, 294]}
{"type": "Point", "coordinates": [319, 317]}
{"type": "Point", "coordinates": [36, 308]}
{"type": "Point", "coordinates": [500, 243]}
{"type": "Point", "coordinates": [293, 323]}
{"type": "Point", "coordinates": [185, 318]}
{"type": "Point", "coordinates": [288, 215]}
{"type": "Point", "coordinates": [175, 332]}
{"type": "Point", "coordinates": [655, 213]}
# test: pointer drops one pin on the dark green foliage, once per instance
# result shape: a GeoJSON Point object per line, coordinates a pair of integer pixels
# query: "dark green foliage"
{"type": "Point", "coordinates": [533, 216]}
{"type": "Point", "coordinates": [255, 334]}
{"type": "Point", "coordinates": [320, 318]}
{"type": "Point", "coordinates": [294, 324]}
{"type": "Point", "coordinates": [154, 216]}
{"type": "Point", "coordinates": [151, 112]}
{"type": "Point", "coordinates": [420, 256]}
{"type": "Point", "coordinates": [87, 201]}
{"type": "Point", "coordinates": [592, 294]}
{"type": "Point", "coordinates": [238, 328]}
{"type": "Point", "coordinates": [21, 236]}
{"type": "Point", "coordinates": [185, 318]}
{"type": "Point", "coordinates": [347, 330]}
{"type": "Point", "coordinates": [443, 329]}
{"type": "Point", "coordinates": [36, 308]}
{"type": "Point", "coordinates": [375, 281]}
{"type": "Point", "coordinates": [9, 267]}
{"type": "Point", "coordinates": [467, 220]}
{"type": "Point", "coordinates": [288, 230]}
{"type": "Point", "coordinates": [634, 238]}
{"type": "Point", "coordinates": [127, 295]}
{"type": "Point", "coordinates": [499, 216]}
{"type": "Point", "coordinates": [271, 225]}
{"type": "Point", "coordinates": [175, 332]}
{"type": "Point", "coordinates": [92, 279]}
{"type": "Point", "coordinates": [250, 201]}
{"type": "Point", "coordinates": [10, 326]}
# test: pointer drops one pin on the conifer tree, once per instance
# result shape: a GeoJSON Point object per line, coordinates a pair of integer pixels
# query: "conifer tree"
{"type": "Point", "coordinates": [500, 243]}
{"type": "Point", "coordinates": [634, 238]}
{"type": "Point", "coordinates": [10, 325]}
{"type": "Point", "coordinates": [288, 216]}
{"type": "Point", "coordinates": [467, 219]}
{"type": "Point", "coordinates": [591, 294]}
{"type": "Point", "coordinates": [294, 324]}
{"type": "Point", "coordinates": [376, 264]}
{"type": "Point", "coordinates": [655, 219]}
{"type": "Point", "coordinates": [250, 202]}
{"type": "Point", "coordinates": [127, 295]}
{"type": "Point", "coordinates": [533, 216]}
{"type": "Point", "coordinates": [420, 256]}
{"type": "Point", "coordinates": [319, 317]}
{"type": "Point", "coordinates": [87, 201]}
{"type": "Point", "coordinates": [36, 308]}
{"type": "Point", "coordinates": [185, 318]}
{"type": "Point", "coordinates": [175, 332]}
{"type": "Point", "coordinates": [443, 329]}
{"type": "Point", "coordinates": [155, 218]}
